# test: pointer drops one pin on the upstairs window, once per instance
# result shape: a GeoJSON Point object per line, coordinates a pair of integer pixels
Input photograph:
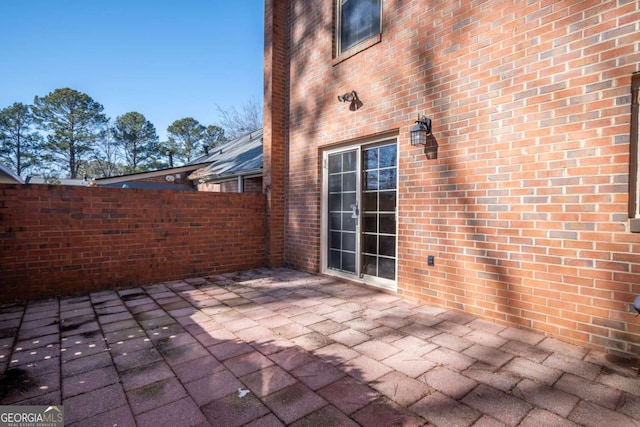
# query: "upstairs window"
{"type": "Point", "coordinates": [634, 155]}
{"type": "Point", "coordinates": [358, 20]}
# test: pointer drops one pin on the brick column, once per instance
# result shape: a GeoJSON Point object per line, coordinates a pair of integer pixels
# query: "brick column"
{"type": "Point", "coordinates": [276, 84]}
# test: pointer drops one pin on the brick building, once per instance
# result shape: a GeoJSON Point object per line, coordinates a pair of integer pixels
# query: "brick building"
{"type": "Point", "coordinates": [233, 166]}
{"type": "Point", "coordinates": [175, 178]}
{"type": "Point", "coordinates": [521, 207]}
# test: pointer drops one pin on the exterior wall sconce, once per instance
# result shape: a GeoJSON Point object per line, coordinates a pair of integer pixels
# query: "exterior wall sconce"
{"type": "Point", "coordinates": [421, 131]}
{"type": "Point", "coordinates": [348, 97]}
{"type": "Point", "coordinates": [352, 98]}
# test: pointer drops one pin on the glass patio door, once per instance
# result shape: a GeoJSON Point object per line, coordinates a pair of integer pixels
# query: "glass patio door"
{"type": "Point", "coordinates": [360, 213]}
{"type": "Point", "coordinates": [343, 211]}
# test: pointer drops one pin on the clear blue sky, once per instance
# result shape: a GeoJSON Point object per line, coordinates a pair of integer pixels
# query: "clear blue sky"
{"type": "Point", "coordinates": [166, 59]}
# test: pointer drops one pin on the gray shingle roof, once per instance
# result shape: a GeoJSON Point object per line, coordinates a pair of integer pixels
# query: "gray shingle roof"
{"type": "Point", "coordinates": [7, 176]}
{"type": "Point", "coordinates": [232, 158]}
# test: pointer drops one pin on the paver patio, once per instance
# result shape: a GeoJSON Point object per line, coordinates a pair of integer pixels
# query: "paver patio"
{"type": "Point", "coordinates": [273, 347]}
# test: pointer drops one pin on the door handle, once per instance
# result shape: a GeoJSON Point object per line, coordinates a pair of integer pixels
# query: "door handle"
{"type": "Point", "coordinates": [355, 212]}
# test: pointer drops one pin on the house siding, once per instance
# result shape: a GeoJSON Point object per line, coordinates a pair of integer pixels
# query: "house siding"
{"type": "Point", "coordinates": [525, 206]}
{"type": "Point", "coordinates": [61, 240]}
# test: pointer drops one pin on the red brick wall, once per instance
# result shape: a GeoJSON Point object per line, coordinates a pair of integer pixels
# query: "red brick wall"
{"type": "Point", "coordinates": [250, 185]}
{"type": "Point", "coordinates": [525, 207]}
{"type": "Point", "coordinates": [253, 185]}
{"type": "Point", "coordinates": [57, 240]}
{"type": "Point", "coordinates": [276, 83]}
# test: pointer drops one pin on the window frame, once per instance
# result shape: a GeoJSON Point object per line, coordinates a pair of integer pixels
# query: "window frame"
{"type": "Point", "coordinates": [339, 54]}
{"type": "Point", "coordinates": [634, 156]}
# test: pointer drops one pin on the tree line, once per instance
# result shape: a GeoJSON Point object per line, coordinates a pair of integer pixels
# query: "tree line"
{"type": "Point", "coordinates": [66, 134]}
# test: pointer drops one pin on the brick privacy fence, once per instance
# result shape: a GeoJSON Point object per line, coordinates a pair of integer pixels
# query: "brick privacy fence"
{"type": "Point", "coordinates": [60, 240]}
{"type": "Point", "coordinates": [525, 206]}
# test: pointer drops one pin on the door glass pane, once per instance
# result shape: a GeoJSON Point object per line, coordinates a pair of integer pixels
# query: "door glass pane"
{"type": "Point", "coordinates": [387, 268]}
{"type": "Point", "coordinates": [379, 210]}
{"type": "Point", "coordinates": [349, 241]}
{"type": "Point", "coordinates": [349, 160]}
{"type": "Point", "coordinates": [388, 245]}
{"type": "Point", "coordinates": [334, 259]}
{"type": "Point", "coordinates": [370, 265]}
{"type": "Point", "coordinates": [371, 180]}
{"type": "Point", "coordinates": [370, 243]}
{"type": "Point", "coordinates": [387, 201]}
{"type": "Point", "coordinates": [334, 202]}
{"type": "Point", "coordinates": [348, 199]}
{"type": "Point", "coordinates": [370, 201]}
{"type": "Point", "coordinates": [343, 174]}
{"type": "Point", "coordinates": [335, 183]}
{"type": "Point", "coordinates": [335, 163]}
{"type": "Point", "coordinates": [388, 223]}
{"type": "Point", "coordinates": [349, 182]}
{"type": "Point", "coordinates": [335, 222]}
{"type": "Point", "coordinates": [371, 159]}
{"type": "Point", "coordinates": [335, 240]}
{"type": "Point", "coordinates": [370, 223]}
{"type": "Point", "coordinates": [388, 157]}
{"type": "Point", "coordinates": [387, 179]}
{"type": "Point", "coordinates": [348, 222]}
{"type": "Point", "coordinates": [348, 261]}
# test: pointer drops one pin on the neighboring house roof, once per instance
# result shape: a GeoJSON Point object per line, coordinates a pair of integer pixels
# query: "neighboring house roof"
{"type": "Point", "coordinates": [7, 176]}
{"type": "Point", "coordinates": [133, 180]}
{"type": "Point", "coordinates": [57, 181]}
{"type": "Point", "coordinates": [238, 157]}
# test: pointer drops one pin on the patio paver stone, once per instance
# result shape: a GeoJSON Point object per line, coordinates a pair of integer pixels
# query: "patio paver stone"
{"type": "Point", "coordinates": [275, 347]}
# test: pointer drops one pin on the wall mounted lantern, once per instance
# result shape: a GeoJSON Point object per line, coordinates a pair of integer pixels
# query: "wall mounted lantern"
{"type": "Point", "coordinates": [421, 131]}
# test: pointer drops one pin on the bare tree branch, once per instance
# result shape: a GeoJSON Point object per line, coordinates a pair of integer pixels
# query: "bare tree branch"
{"type": "Point", "coordinates": [237, 122]}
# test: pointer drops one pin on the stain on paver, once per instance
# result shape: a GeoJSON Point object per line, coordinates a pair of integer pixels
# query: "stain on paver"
{"type": "Point", "coordinates": [294, 402]}
{"type": "Point", "coordinates": [8, 333]}
{"type": "Point", "coordinates": [75, 324]}
{"type": "Point", "coordinates": [164, 344]}
{"type": "Point", "coordinates": [151, 390]}
{"type": "Point", "coordinates": [132, 296]}
{"type": "Point", "coordinates": [233, 410]}
{"type": "Point", "coordinates": [15, 380]}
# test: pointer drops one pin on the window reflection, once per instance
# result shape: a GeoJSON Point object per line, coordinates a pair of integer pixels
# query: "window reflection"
{"type": "Point", "coordinates": [359, 20]}
{"type": "Point", "coordinates": [379, 240]}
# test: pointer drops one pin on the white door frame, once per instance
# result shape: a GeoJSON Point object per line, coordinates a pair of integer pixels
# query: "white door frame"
{"type": "Point", "coordinates": [324, 235]}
